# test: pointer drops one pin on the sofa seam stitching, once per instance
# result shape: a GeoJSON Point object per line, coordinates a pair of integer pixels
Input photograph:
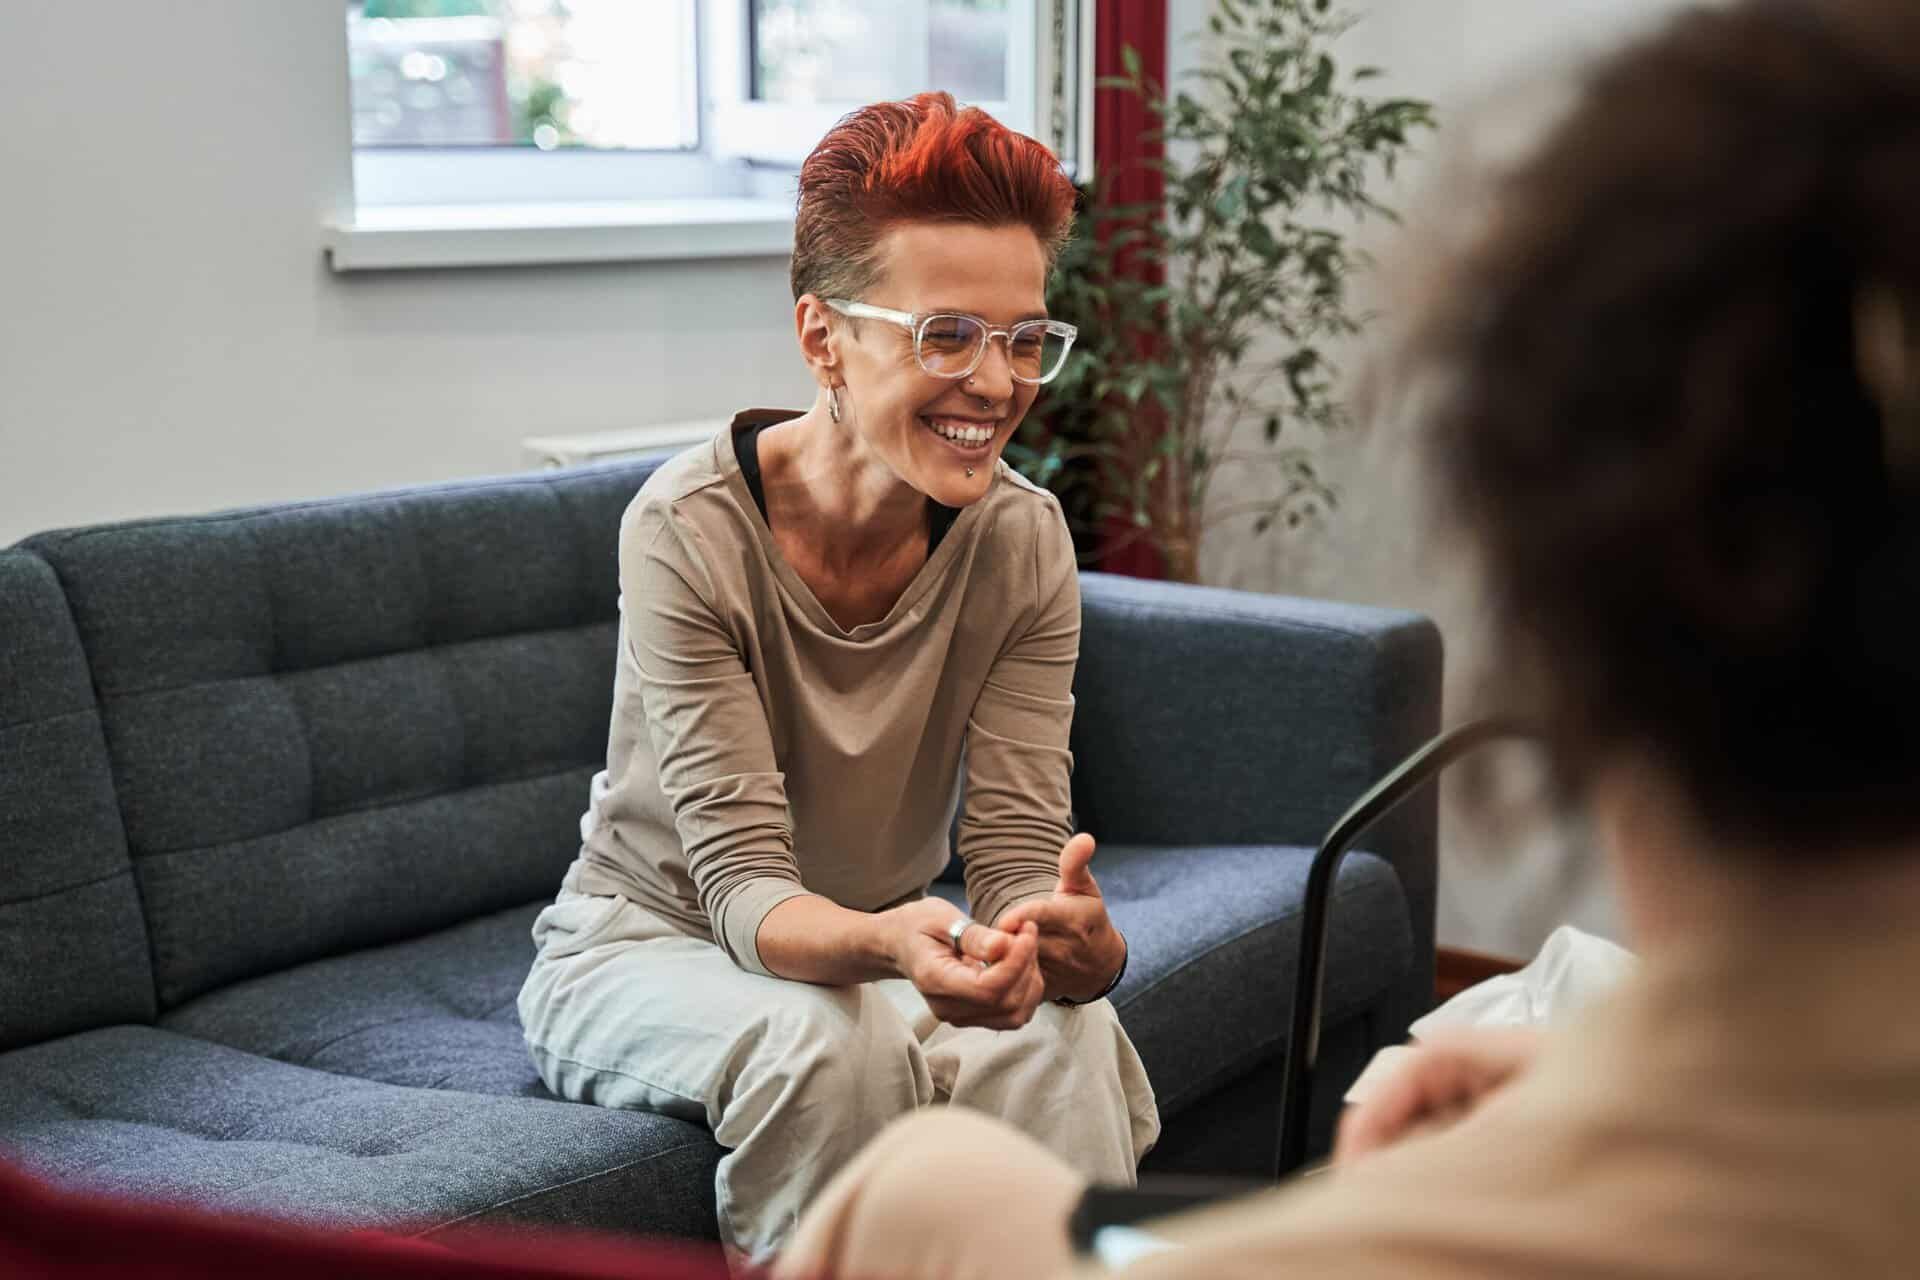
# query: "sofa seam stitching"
{"type": "Point", "coordinates": [558, 1186]}
{"type": "Point", "coordinates": [149, 854]}
{"type": "Point", "coordinates": [9, 726]}
{"type": "Point", "coordinates": [68, 888]}
{"type": "Point", "coordinates": [113, 783]}
{"type": "Point", "coordinates": [432, 647]}
{"type": "Point", "coordinates": [317, 1050]}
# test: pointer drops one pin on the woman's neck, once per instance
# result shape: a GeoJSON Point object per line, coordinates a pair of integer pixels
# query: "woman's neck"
{"type": "Point", "coordinates": [831, 491]}
{"type": "Point", "coordinates": [1679, 884]}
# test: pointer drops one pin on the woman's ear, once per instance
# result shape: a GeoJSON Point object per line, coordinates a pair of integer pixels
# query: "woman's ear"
{"type": "Point", "coordinates": [818, 341]}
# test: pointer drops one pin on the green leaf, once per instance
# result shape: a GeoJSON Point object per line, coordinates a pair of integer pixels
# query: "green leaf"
{"type": "Point", "coordinates": [1322, 77]}
{"type": "Point", "coordinates": [1259, 240]}
{"type": "Point", "coordinates": [1232, 199]}
{"type": "Point", "coordinates": [1130, 59]}
{"type": "Point", "coordinates": [1270, 157]}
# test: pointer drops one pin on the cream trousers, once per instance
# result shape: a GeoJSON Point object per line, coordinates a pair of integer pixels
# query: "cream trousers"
{"type": "Point", "coordinates": [622, 1010]}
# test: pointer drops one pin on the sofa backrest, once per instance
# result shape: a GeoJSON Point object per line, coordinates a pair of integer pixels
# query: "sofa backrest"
{"type": "Point", "coordinates": [337, 724]}
{"type": "Point", "coordinates": [73, 948]}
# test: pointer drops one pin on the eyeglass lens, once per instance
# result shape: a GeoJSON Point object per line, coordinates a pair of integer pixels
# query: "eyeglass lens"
{"type": "Point", "coordinates": [949, 345]}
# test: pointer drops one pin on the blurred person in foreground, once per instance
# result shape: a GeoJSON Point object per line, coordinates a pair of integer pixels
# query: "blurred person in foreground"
{"type": "Point", "coordinates": [823, 614]}
{"type": "Point", "coordinates": [1681, 436]}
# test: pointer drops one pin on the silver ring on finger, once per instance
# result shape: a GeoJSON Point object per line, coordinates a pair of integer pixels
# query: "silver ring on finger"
{"type": "Point", "coordinates": [956, 929]}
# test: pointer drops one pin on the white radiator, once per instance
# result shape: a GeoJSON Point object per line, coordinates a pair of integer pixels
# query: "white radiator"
{"type": "Point", "coordinates": [605, 446]}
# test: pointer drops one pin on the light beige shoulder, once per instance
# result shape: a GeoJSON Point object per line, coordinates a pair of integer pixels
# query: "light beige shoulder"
{"type": "Point", "coordinates": [1011, 477]}
{"type": "Point", "coordinates": [1027, 525]}
{"type": "Point", "coordinates": [1026, 510]}
{"type": "Point", "coordinates": [1023, 505]}
{"type": "Point", "coordinates": [676, 491]}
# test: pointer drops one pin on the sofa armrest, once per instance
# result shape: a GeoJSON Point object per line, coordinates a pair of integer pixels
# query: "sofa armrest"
{"type": "Point", "coordinates": [1209, 716]}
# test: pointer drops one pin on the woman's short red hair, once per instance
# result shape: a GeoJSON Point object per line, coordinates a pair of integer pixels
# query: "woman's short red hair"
{"type": "Point", "coordinates": [922, 160]}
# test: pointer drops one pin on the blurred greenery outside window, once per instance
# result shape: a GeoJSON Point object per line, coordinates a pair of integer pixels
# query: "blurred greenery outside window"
{"type": "Point", "coordinates": [605, 74]}
{"type": "Point", "coordinates": [626, 74]}
{"type": "Point", "coordinates": [857, 51]}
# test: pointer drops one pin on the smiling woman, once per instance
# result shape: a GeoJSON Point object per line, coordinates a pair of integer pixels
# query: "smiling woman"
{"type": "Point", "coordinates": [835, 623]}
{"type": "Point", "coordinates": [951, 338]}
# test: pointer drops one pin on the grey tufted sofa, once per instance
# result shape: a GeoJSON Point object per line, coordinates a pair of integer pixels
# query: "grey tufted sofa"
{"type": "Point", "coordinates": [281, 791]}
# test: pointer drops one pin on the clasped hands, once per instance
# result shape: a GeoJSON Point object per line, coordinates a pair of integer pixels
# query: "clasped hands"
{"type": "Point", "coordinates": [1043, 949]}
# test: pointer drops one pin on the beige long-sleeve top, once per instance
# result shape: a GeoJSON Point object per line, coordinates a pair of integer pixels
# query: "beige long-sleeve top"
{"type": "Point", "coordinates": [1748, 1105]}
{"type": "Point", "coordinates": [760, 751]}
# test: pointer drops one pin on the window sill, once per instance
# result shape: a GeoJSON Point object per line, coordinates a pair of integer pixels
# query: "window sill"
{"type": "Point", "coordinates": [400, 237]}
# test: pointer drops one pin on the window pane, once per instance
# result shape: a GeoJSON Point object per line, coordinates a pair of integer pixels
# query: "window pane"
{"type": "Point", "coordinates": [541, 73]}
{"type": "Point", "coordinates": [857, 51]}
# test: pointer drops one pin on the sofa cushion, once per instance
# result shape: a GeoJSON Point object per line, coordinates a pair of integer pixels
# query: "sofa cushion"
{"type": "Point", "coordinates": [145, 1112]}
{"type": "Point", "coordinates": [1204, 715]}
{"type": "Point", "coordinates": [64, 872]}
{"type": "Point", "coordinates": [436, 1012]}
{"type": "Point", "coordinates": [338, 724]}
{"type": "Point", "coordinates": [1213, 937]}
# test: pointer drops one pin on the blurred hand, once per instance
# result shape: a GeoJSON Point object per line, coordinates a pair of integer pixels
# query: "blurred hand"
{"type": "Point", "coordinates": [997, 984]}
{"type": "Point", "coordinates": [1434, 1083]}
{"type": "Point", "coordinates": [1080, 950]}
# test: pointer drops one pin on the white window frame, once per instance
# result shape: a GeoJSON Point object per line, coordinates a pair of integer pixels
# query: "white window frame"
{"type": "Point", "coordinates": [732, 197]}
{"type": "Point", "coordinates": [782, 133]}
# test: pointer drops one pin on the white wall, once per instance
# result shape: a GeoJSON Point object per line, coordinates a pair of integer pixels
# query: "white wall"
{"type": "Point", "coordinates": [171, 339]}
{"type": "Point", "coordinates": [1493, 68]}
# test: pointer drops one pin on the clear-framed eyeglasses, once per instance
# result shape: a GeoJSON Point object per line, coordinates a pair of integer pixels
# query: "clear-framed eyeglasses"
{"type": "Point", "coordinates": [951, 344]}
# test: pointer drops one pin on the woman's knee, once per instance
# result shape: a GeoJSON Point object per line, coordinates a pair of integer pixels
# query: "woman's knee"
{"type": "Point", "coordinates": [845, 1051]}
{"type": "Point", "coordinates": [1057, 1040]}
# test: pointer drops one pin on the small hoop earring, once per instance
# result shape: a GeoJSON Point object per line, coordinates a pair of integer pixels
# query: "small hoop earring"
{"type": "Point", "coordinates": [833, 403]}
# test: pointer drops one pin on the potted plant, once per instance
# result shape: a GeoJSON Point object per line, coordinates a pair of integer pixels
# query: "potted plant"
{"type": "Point", "coordinates": [1217, 306]}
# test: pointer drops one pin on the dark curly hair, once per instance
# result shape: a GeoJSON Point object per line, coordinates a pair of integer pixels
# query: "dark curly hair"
{"type": "Point", "coordinates": [1657, 436]}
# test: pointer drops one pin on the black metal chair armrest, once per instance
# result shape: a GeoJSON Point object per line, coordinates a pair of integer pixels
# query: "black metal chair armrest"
{"type": "Point", "coordinates": [1303, 1043]}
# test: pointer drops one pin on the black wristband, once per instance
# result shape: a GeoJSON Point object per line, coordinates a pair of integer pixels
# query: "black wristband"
{"type": "Point", "coordinates": [1104, 992]}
